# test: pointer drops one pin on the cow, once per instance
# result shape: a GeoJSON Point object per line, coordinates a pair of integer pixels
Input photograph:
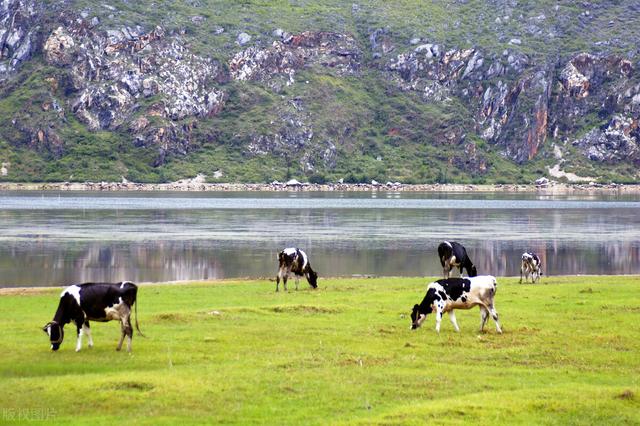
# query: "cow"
{"type": "Point", "coordinates": [453, 254]}
{"type": "Point", "coordinates": [448, 294]}
{"type": "Point", "coordinates": [531, 265]}
{"type": "Point", "coordinates": [86, 302]}
{"type": "Point", "coordinates": [295, 260]}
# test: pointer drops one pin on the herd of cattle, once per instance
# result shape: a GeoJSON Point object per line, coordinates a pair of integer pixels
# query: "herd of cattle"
{"type": "Point", "coordinates": [103, 302]}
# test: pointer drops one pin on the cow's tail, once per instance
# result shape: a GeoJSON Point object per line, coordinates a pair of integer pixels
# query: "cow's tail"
{"type": "Point", "coordinates": [137, 326]}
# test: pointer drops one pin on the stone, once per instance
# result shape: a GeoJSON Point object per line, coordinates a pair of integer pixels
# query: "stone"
{"type": "Point", "coordinates": [243, 38]}
{"type": "Point", "coordinates": [59, 48]}
{"type": "Point", "coordinates": [543, 181]}
{"type": "Point", "coordinates": [423, 48]}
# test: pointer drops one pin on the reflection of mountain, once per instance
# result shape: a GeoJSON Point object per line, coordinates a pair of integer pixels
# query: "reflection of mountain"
{"type": "Point", "coordinates": [500, 258]}
{"type": "Point", "coordinates": [56, 247]}
{"type": "Point", "coordinates": [59, 264]}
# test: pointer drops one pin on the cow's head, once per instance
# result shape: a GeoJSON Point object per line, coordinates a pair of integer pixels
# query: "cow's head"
{"type": "Point", "coordinates": [418, 315]}
{"type": "Point", "coordinates": [56, 334]}
{"type": "Point", "coordinates": [313, 279]}
{"type": "Point", "coordinates": [473, 272]}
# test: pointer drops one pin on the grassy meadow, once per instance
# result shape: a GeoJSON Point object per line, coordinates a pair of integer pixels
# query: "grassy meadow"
{"type": "Point", "coordinates": [237, 352]}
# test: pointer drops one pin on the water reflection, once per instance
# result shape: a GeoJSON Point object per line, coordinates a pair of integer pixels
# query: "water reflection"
{"type": "Point", "coordinates": [54, 264]}
{"type": "Point", "coordinates": [44, 246]}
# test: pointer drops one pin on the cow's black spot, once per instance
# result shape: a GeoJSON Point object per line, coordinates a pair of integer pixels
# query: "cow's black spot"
{"type": "Point", "coordinates": [464, 299]}
{"type": "Point", "coordinates": [455, 287]}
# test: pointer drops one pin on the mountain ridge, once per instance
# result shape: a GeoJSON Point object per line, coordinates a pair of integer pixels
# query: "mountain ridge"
{"type": "Point", "coordinates": [100, 92]}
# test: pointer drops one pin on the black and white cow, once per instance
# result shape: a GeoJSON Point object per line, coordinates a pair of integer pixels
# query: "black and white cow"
{"type": "Point", "coordinates": [453, 254]}
{"type": "Point", "coordinates": [457, 293]}
{"type": "Point", "coordinates": [295, 260]}
{"type": "Point", "coordinates": [102, 302]}
{"type": "Point", "coordinates": [531, 265]}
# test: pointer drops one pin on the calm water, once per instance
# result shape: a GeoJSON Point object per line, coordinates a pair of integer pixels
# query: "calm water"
{"type": "Point", "coordinates": [61, 238]}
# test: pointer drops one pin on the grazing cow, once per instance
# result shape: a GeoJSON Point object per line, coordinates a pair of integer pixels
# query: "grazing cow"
{"type": "Point", "coordinates": [457, 293]}
{"type": "Point", "coordinates": [296, 261]}
{"type": "Point", "coordinates": [452, 255]}
{"type": "Point", "coordinates": [96, 302]}
{"type": "Point", "coordinates": [531, 265]}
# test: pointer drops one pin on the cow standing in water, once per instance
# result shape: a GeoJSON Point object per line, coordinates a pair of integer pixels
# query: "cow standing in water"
{"type": "Point", "coordinates": [453, 254]}
{"type": "Point", "coordinates": [295, 260]}
{"type": "Point", "coordinates": [96, 302]}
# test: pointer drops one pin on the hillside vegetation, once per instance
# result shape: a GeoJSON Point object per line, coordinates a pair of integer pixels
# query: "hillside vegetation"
{"type": "Point", "coordinates": [255, 91]}
{"type": "Point", "coordinates": [238, 353]}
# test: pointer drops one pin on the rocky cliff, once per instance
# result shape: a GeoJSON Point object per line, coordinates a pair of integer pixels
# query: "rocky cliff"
{"type": "Point", "coordinates": [96, 92]}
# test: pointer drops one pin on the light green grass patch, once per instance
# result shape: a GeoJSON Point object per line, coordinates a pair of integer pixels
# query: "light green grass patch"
{"type": "Point", "coordinates": [237, 352]}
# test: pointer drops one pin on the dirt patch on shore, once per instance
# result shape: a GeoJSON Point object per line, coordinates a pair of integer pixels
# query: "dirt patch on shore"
{"type": "Point", "coordinates": [27, 291]}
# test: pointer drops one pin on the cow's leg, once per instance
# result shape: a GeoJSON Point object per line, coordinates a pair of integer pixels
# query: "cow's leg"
{"type": "Point", "coordinates": [438, 320]}
{"type": "Point", "coordinates": [494, 315]}
{"type": "Point", "coordinates": [80, 327]}
{"type": "Point", "coordinates": [446, 269]}
{"type": "Point", "coordinates": [484, 314]}
{"type": "Point", "coordinates": [129, 332]}
{"type": "Point", "coordinates": [125, 327]}
{"type": "Point", "coordinates": [282, 274]}
{"type": "Point", "coordinates": [121, 336]}
{"type": "Point", "coordinates": [452, 318]}
{"type": "Point", "coordinates": [521, 272]}
{"type": "Point", "coordinates": [297, 281]}
{"type": "Point", "coordinates": [87, 331]}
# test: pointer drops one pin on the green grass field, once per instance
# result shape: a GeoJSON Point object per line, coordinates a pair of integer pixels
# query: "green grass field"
{"type": "Point", "coordinates": [237, 352]}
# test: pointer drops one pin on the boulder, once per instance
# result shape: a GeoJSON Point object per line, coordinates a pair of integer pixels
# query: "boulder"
{"type": "Point", "coordinates": [243, 38]}
{"type": "Point", "coordinates": [59, 49]}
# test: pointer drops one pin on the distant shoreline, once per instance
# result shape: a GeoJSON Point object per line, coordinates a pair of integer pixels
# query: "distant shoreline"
{"type": "Point", "coordinates": [195, 185]}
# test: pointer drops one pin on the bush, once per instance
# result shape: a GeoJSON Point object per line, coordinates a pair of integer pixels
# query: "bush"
{"type": "Point", "coordinates": [317, 178]}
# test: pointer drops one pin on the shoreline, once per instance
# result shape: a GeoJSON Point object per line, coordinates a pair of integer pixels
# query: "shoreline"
{"type": "Point", "coordinates": [196, 185]}
{"type": "Point", "coordinates": [20, 291]}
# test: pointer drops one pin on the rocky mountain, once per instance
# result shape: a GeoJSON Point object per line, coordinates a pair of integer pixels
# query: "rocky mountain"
{"type": "Point", "coordinates": [411, 91]}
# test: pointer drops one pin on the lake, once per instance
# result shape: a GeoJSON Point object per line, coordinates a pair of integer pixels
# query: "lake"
{"type": "Point", "coordinates": [59, 238]}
